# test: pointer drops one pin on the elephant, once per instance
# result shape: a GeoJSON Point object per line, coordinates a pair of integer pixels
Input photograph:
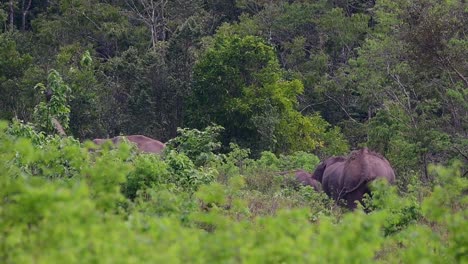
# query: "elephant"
{"type": "Point", "coordinates": [304, 178]}
{"type": "Point", "coordinates": [348, 177]}
{"type": "Point", "coordinates": [143, 143]}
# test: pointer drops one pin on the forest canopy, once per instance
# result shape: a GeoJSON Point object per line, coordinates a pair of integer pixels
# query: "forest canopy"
{"type": "Point", "coordinates": [319, 76]}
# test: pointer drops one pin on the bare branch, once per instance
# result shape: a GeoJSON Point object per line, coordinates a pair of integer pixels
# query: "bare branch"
{"type": "Point", "coordinates": [342, 107]}
{"type": "Point", "coordinates": [303, 109]}
{"type": "Point", "coordinates": [461, 152]}
{"type": "Point", "coordinates": [459, 74]}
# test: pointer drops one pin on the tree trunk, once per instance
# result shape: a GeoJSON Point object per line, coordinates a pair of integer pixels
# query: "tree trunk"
{"type": "Point", "coordinates": [154, 36]}
{"type": "Point", "coordinates": [12, 15]}
{"type": "Point", "coordinates": [25, 12]}
{"type": "Point", "coordinates": [424, 169]}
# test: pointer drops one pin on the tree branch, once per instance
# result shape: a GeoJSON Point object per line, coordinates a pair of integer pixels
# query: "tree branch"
{"type": "Point", "coordinates": [459, 74]}
{"type": "Point", "coordinates": [460, 152]}
{"type": "Point", "coordinates": [342, 108]}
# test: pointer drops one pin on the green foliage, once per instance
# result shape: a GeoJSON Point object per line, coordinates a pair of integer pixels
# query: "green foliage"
{"type": "Point", "coordinates": [149, 171]}
{"type": "Point", "coordinates": [83, 213]}
{"type": "Point", "coordinates": [388, 132]}
{"type": "Point", "coordinates": [233, 71]}
{"type": "Point", "coordinates": [443, 231]}
{"type": "Point", "coordinates": [19, 128]}
{"type": "Point", "coordinates": [165, 200]}
{"type": "Point", "coordinates": [231, 164]}
{"type": "Point", "coordinates": [199, 146]}
{"type": "Point", "coordinates": [53, 166]}
{"type": "Point", "coordinates": [297, 160]}
{"type": "Point", "coordinates": [57, 107]}
{"type": "Point", "coordinates": [240, 78]}
{"type": "Point", "coordinates": [405, 73]}
{"type": "Point", "coordinates": [65, 22]}
{"type": "Point", "coordinates": [403, 211]}
{"type": "Point", "coordinates": [393, 132]}
{"type": "Point", "coordinates": [183, 172]}
{"type": "Point", "coordinates": [77, 67]}
{"type": "Point", "coordinates": [212, 195]}
{"type": "Point", "coordinates": [12, 63]}
{"type": "Point", "coordinates": [448, 205]}
{"type": "Point", "coordinates": [3, 18]}
{"type": "Point", "coordinates": [345, 31]}
{"type": "Point", "coordinates": [14, 66]}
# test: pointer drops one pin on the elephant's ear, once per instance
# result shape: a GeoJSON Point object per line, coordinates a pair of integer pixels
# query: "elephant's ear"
{"type": "Point", "coordinates": [318, 173]}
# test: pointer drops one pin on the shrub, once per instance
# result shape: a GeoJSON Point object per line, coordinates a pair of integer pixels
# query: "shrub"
{"type": "Point", "coordinates": [181, 214]}
{"type": "Point", "coordinates": [184, 174]}
{"type": "Point", "coordinates": [402, 211]}
{"type": "Point", "coordinates": [198, 146]}
{"type": "Point", "coordinates": [149, 170]}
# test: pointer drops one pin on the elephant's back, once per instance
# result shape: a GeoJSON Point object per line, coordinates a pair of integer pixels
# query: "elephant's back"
{"type": "Point", "coordinates": [379, 167]}
{"type": "Point", "coordinates": [355, 173]}
{"type": "Point", "coordinates": [366, 167]}
{"type": "Point", "coordinates": [143, 143]}
{"type": "Point", "coordinates": [153, 146]}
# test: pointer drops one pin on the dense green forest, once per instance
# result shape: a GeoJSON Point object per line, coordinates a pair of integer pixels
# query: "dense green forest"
{"type": "Point", "coordinates": [240, 91]}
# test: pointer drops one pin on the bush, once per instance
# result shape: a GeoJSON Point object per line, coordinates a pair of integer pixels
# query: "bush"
{"type": "Point", "coordinates": [197, 145]}
{"type": "Point", "coordinates": [402, 211]}
{"type": "Point", "coordinates": [184, 174]}
{"type": "Point", "coordinates": [149, 170]}
{"type": "Point", "coordinates": [180, 213]}
{"type": "Point", "coordinates": [296, 160]}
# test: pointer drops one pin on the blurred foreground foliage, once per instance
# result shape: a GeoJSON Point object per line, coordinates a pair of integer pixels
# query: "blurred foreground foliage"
{"type": "Point", "coordinates": [63, 201]}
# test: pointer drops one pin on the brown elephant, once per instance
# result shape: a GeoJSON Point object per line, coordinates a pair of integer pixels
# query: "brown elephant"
{"type": "Point", "coordinates": [304, 178]}
{"type": "Point", "coordinates": [348, 178]}
{"type": "Point", "coordinates": [143, 143]}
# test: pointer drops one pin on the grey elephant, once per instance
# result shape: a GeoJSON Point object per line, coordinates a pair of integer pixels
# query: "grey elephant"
{"type": "Point", "coordinates": [348, 178]}
{"type": "Point", "coordinates": [304, 178]}
{"type": "Point", "coordinates": [143, 143]}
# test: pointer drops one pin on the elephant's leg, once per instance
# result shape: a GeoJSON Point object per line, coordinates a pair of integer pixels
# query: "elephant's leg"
{"type": "Point", "coordinates": [356, 196]}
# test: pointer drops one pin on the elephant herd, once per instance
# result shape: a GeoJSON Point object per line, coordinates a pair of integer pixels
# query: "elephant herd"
{"type": "Point", "coordinates": [343, 178]}
{"type": "Point", "coordinates": [347, 178]}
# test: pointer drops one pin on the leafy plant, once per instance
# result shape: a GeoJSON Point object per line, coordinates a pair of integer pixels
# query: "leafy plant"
{"type": "Point", "coordinates": [199, 146]}
{"type": "Point", "coordinates": [149, 171]}
{"type": "Point", "coordinates": [56, 105]}
{"type": "Point", "coordinates": [240, 78]}
{"type": "Point", "coordinates": [184, 174]}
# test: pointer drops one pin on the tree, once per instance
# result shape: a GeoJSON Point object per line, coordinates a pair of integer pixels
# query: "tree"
{"type": "Point", "coordinates": [162, 18]}
{"type": "Point", "coordinates": [146, 84]}
{"type": "Point", "coordinates": [90, 23]}
{"type": "Point", "coordinates": [19, 13]}
{"type": "Point", "coordinates": [313, 41]}
{"type": "Point", "coordinates": [55, 107]}
{"type": "Point", "coordinates": [239, 85]}
{"type": "Point", "coordinates": [78, 69]}
{"type": "Point", "coordinates": [408, 77]}
{"type": "Point", "coordinates": [16, 97]}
